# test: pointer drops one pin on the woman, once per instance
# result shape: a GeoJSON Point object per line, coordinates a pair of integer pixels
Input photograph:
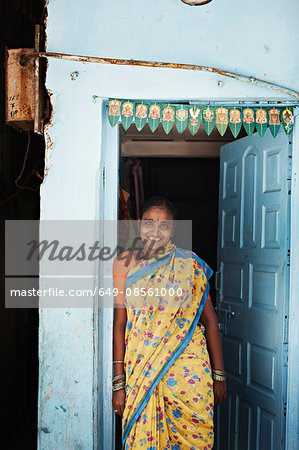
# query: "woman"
{"type": "Point", "coordinates": [163, 383]}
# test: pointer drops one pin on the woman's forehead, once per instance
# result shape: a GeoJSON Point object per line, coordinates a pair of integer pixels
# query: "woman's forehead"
{"type": "Point", "coordinates": [157, 213]}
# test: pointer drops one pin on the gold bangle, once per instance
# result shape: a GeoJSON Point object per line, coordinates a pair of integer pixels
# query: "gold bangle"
{"type": "Point", "coordinates": [219, 377]}
{"type": "Point", "coordinates": [118, 377]}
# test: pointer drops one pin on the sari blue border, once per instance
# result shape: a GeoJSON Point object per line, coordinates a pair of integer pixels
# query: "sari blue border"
{"type": "Point", "coordinates": [152, 267]}
{"type": "Point", "coordinates": [188, 254]}
{"type": "Point", "coordinates": [179, 350]}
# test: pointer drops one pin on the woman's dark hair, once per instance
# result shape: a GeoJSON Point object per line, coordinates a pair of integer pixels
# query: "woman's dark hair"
{"type": "Point", "coordinates": [160, 201]}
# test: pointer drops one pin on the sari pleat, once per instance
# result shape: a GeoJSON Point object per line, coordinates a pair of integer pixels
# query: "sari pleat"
{"type": "Point", "coordinates": [169, 387]}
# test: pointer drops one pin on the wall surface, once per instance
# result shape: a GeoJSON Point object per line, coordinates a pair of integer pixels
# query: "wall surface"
{"type": "Point", "coordinates": [252, 38]}
{"type": "Point", "coordinates": [67, 348]}
{"type": "Point", "coordinates": [256, 38]}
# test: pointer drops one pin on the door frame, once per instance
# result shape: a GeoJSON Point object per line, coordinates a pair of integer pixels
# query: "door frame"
{"type": "Point", "coordinates": [292, 411]}
{"type": "Point", "coordinates": [108, 211]}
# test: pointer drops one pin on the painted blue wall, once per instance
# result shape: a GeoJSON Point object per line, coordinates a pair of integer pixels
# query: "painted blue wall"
{"type": "Point", "coordinates": [257, 38]}
{"type": "Point", "coordinates": [253, 37]}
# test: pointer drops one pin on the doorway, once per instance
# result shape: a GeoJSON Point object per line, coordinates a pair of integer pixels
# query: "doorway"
{"type": "Point", "coordinates": [185, 169]}
{"type": "Point", "coordinates": [250, 169]}
{"type": "Point", "coordinates": [182, 168]}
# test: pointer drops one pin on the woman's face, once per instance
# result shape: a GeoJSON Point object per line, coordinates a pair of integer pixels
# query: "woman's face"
{"type": "Point", "coordinates": [156, 228]}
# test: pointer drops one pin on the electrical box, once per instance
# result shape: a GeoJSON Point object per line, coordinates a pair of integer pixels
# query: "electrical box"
{"type": "Point", "coordinates": [20, 88]}
{"type": "Point", "coordinates": [27, 103]}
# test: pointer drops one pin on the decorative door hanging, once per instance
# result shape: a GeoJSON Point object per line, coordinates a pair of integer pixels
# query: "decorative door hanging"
{"type": "Point", "coordinates": [183, 116]}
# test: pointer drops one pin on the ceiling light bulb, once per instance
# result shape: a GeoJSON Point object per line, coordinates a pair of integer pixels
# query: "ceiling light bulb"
{"type": "Point", "coordinates": [196, 2]}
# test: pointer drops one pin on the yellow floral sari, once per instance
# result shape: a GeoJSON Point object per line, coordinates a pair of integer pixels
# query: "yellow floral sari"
{"type": "Point", "coordinates": [169, 387]}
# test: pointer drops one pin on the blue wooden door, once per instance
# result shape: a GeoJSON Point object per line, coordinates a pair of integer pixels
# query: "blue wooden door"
{"type": "Point", "coordinates": [252, 284]}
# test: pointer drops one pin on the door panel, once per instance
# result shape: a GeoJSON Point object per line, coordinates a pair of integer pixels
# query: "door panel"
{"type": "Point", "coordinates": [251, 303]}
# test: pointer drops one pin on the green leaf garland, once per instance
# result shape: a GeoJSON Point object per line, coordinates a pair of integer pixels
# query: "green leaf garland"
{"type": "Point", "coordinates": [113, 111]}
{"type": "Point", "coordinates": [248, 120]}
{"type": "Point", "coordinates": [127, 113]}
{"type": "Point", "coordinates": [261, 120]}
{"type": "Point", "coordinates": [287, 119]}
{"type": "Point", "coordinates": [141, 115]}
{"type": "Point", "coordinates": [235, 120]}
{"type": "Point", "coordinates": [253, 118]}
{"type": "Point", "coordinates": [194, 119]}
{"type": "Point", "coordinates": [168, 114]}
{"type": "Point", "coordinates": [208, 118]}
{"type": "Point", "coordinates": [221, 119]}
{"type": "Point", "coordinates": [181, 118]}
{"type": "Point", "coordinates": [154, 116]}
{"type": "Point", "coordinates": [274, 121]}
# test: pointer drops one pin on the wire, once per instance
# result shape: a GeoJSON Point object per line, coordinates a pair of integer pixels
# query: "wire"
{"type": "Point", "coordinates": [169, 65]}
{"type": "Point", "coordinates": [23, 167]}
{"type": "Point", "coordinates": [24, 162]}
{"type": "Point", "coordinates": [23, 187]}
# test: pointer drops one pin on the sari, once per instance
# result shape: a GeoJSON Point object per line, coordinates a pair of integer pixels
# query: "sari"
{"type": "Point", "coordinates": [169, 387]}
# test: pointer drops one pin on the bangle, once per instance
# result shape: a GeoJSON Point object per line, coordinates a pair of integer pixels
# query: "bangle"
{"type": "Point", "coordinates": [119, 383]}
{"type": "Point", "coordinates": [118, 377]}
{"type": "Point", "coordinates": [219, 377]}
{"type": "Point", "coordinates": [219, 372]}
{"type": "Point", "coordinates": [114, 362]}
{"type": "Point", "coordinates": [118, 387]}
{"type": "Point", "coordinates": [122, 383]}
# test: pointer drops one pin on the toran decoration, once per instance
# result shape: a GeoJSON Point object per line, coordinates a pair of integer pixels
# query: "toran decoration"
{"type": "Point", "coordinates": [191, 116]}
{"type": "Point", "coordinates": [221, 119]}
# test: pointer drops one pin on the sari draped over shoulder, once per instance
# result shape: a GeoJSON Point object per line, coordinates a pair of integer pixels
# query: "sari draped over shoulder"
{"type": "Point", "coordinates": [169, 387]}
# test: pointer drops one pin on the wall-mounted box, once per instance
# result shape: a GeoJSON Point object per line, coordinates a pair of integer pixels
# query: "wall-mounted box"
{"type": "Point", "coordinates": [20, 88]}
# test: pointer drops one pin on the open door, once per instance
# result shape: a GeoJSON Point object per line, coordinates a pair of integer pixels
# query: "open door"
{"type": "Point", "coordinates": [252, 290]}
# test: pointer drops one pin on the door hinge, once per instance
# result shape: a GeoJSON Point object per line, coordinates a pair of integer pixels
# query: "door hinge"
{"type": "Point", "coordinates": [285, 329]}
{"type": "Point", "coordinates": [285, 346]}
{"type": "Point", "coordinates": [284, 409]}
{"type": "Point", "coordinates": [288, 257]}
{"type": "Point", "coordinates": [285, 354]}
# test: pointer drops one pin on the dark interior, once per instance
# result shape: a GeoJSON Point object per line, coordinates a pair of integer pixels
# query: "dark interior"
{"type": "Point", "coordinates": [192, 184]}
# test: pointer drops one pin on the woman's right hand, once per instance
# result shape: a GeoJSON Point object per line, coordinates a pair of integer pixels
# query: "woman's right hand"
{"type": "Point", "coordinates": [118, 401]}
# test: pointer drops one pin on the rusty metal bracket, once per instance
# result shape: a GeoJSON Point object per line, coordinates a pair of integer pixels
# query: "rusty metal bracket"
{"type": "Point", "coordinates": [133, 62]}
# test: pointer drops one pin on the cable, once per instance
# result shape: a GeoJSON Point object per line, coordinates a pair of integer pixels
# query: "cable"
{"type": "Point", "coordinates": [23, 167]}
{"type": "Point", "coordinates": [23, 187]}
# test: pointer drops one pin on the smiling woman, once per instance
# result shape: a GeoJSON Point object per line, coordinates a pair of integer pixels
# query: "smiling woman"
{"type": "Point", "coordinates": [164, 385]}
{"type": "Point", "coordinates": [156, 228]}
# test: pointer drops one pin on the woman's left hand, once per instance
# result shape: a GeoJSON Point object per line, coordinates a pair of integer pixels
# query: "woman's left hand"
{"type": "Point", "coordinates": [219, 391]}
